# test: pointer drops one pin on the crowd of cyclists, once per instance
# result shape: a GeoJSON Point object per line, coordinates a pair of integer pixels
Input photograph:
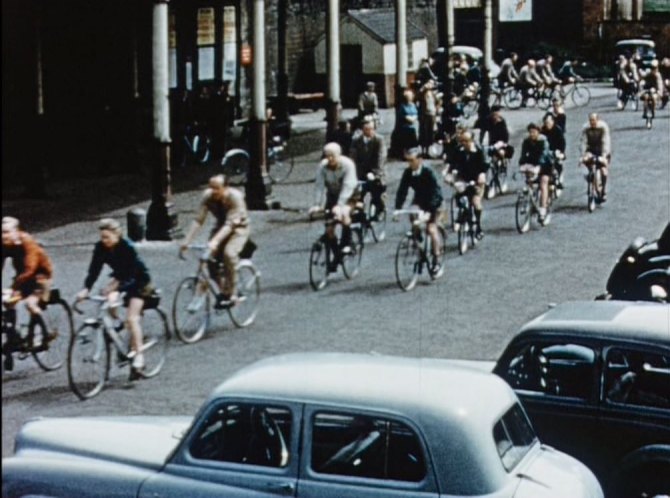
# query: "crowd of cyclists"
{"type": "Point", "coordinates": [651, 85]}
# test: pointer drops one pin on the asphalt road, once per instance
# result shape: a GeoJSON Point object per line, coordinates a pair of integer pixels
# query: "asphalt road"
{"type": "Point", "coordinates": [472, 312]}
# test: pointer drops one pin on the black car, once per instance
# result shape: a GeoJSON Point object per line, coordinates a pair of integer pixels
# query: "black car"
{"type": "Point", "coordinates": [594, 378]}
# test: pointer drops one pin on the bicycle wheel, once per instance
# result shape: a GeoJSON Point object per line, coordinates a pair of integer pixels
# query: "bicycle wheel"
{"type": "Point", "coordinates": [492, 181]}
{"type": "Point", "coordinates": [280, 165]}
{"type": "Point", "coordinates": [590, 195]}
{"type": "Point", "coordinates": [472, 229]}
{"type": "Point", "coordinates": [581, 96]}
{"type": "Point", "coordinates": [244, 311]}
{"type": "Point", "coordinates": [453, 213]}
{"type": "Point", "coordinates": [155, 338]}
{"type": "Point", "coordinates": [376, 221]}
{"type": "Point", "coordinates": [407, 263]}
{"type": "Point", "coordinates": [190, 310]}
{"type": "Point", "coordinates": [88, 361]}
{"type": "Point", "coordinates": [55, 328]}
{"type": "Point", "coordinates": [201, 148]}
{"type": "Point", "coordinates": [463, 230]}
{"type": "Point", "coordinates": [436, 268]}
{"type": "Point", "coordinates": [512, 98]}
{"type": "Point", "coordinates": [235, 165]}
{"type": "Point", "coordinates": [635, 102]}
{"type": "Point", "coordinates": [501, 183]}
{"type": "Point", "coordinates": [523, 211]}
{"type": "Point", "coordinates": [319, 260]}
{"type": "Point", "coordinates": [351, 263]}
{"type": "Point", "coordinates": [550, 206]}
{"type": "Point", "coordinates": [544, 99]}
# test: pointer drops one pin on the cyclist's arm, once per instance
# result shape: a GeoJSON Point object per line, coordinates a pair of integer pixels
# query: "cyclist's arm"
{"type": "Point", "coordinates": [319, 186]}
{"type": "Point", "coordinates": [30, 262]}
{"type": "Point", "coordinates": [349, 183]}
{"type": "Point", "coordinates": [403, 188]}
{"type": "Point", "coordinates": [94, 267]}
{"type": "Point", "coordinates": [607, 143]}
{"type": "Point", "coordinates": [195, 225]}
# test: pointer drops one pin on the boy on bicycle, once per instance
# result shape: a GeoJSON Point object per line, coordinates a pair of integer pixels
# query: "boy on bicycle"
{"type": "Point", "coordinates": [228, 237]}
{"type": "Point", "coordinates": [33, 275]}
{"type": "Point", "coordinates": [535, 158]}
{"type": "Point", "coordinates": [596, 147]}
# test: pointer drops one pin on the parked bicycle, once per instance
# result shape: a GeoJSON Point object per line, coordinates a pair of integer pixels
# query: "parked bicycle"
{"type": "Point", "coordinates": [415, 252]}
{"type": "Point", "coordinates": [196, 297]}
{"type": "Point", "coordinates": [280, 162]}
{"type": "Point", "coordinates": [594, 186]}
{"type": "Point", "coordinates": [195, 146]}
{"type": "Point", "coordinates": [465, 221]}
{"type": "Point", "coordinates": [326, 254]}
{"type": "Point", "coordinates": [44, 337]}
{"type": "Point", "coordinates": [89, 357]}
{"type": "Point", "coordinates": [374, 222]}
{"type": "Point", "coordinates": [528, 200]}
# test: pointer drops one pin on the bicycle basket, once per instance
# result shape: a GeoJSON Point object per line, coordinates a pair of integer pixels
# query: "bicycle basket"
{"type": "Point", "coordinates": [248, 249]}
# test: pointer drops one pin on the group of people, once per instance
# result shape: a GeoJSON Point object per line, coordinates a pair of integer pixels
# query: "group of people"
{"type": "Point", "coordinates": [653, 83]}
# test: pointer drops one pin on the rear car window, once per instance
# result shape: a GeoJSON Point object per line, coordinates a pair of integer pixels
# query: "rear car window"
{"type": "Point", "coordinates": [366, 446]}
{"type": "Point", "coordinates": [514, 436]}
{"type": "Point", "coordinates": [637, 378]}
{"type": "Point", "coordinates": [244, 433]}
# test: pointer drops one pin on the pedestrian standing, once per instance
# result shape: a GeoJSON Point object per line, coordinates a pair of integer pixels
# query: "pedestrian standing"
{"type": "Point", "coordinates": [407, 117]}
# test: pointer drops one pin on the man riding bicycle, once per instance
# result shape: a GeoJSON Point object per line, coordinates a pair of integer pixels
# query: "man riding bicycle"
{"type": "Point", "coordinates": [628, 79]}
{"type": "Point", "coordinates": [595, 146]}
{"type": "Point", "coordinates": [498, 132]}
{"type": "Point", "coordinates": [367, 152]}
{"type": "Point", "coordinates": [129, 275]}
{"type": "Point", "coordinates": [427, 194]}
{"type": "Point", "coordinates": [336, 178]}
{"type": "Point", "coordinates": [33, 276]}
{"type": "Point", "coordinates": [653, 88]}
{"type": "Point", "coordinates": [556, 139]}
{"type": "Point", "coordinates": [508, 75]}
{"type": "Point", "coordinates": [528, 78]}
{"type": "Point", "coordinates": [535, 159]}
{"type": "Point", "coordinates": [546, 72]}
{"type": "Point", "coordinates": [469, 164]}
{"type": "Point", "coordinates": [228, 237]}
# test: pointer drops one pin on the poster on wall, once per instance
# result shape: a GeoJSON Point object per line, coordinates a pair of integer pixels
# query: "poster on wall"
{"type": "Point", "coordinates": [515, 10]}
{"type": "Point", "coordinates": [205, 63]}
{"type": "Point", "coordinates": [229, 52]}
{"type": "Point", "coordinates": [205, 35]}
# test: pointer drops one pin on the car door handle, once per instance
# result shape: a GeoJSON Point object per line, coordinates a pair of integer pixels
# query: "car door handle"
{"type": "Point", "coordinates": [283, 488]}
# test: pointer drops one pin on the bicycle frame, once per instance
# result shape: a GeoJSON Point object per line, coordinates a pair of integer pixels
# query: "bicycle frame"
{"type": "Point", "coordinates": [103, 318]}
{"type": "Point", "coordinates": [419, 226]}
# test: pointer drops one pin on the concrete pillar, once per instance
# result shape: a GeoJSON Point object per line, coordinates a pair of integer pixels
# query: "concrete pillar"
{"type": "Point", "coordinates": [282, 114]}
{"type": "Point", "coordinates": [401, 47]}
{"type": "Point", "coordinates": [258, 186]}
{"type": "Point", "coordinates": [488, 33]}
{"type": "Point", "coordinates": [333, 64]}
{"type": "Point", "coordinates": [160, 221]}
{"type": "Point", "coordinates": [451, 35]}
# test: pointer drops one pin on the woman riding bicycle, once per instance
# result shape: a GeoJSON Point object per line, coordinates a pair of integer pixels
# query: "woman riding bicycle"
{"type": "Point", "coordinates": [129, 275]}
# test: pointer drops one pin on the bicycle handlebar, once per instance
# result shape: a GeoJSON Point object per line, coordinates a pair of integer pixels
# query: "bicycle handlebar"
{"type": "Point", "coordinates": [206, 253]}
{"type": "Point", "coordinates": [102, 300]}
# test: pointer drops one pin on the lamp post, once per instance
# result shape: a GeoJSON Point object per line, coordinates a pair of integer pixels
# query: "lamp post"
{"type": "Point", "coordinates": [333, 64]}
{"type": "Point", "coordinates": [400, 69]}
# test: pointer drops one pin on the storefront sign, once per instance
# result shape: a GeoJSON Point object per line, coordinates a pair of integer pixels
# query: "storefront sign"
{"type": "Point", "coordinates": [467, 4]}
{"type": "Point", "coordinates": [516, 10]}
{"type": "Point", "coordinates": [206, 32]}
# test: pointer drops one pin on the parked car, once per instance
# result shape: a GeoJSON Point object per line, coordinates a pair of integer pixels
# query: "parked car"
{"type": "Point", "coordinates": [642, 271]}
{"type": "Point", "coordinates": [309, 425]}
{"type": "Point", "coordinates": [642, 47]}
{"type": "Point", "coordinates": [471, 54]}
{"type": "Point", "coordinates": [594, 378]}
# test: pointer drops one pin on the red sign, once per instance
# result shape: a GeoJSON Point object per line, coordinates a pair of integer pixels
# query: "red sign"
{"type": "Point", "coordinates": [245, 55]}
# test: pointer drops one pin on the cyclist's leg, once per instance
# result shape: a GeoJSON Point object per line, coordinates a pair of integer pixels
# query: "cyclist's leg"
{"type": "Point", "coordinates": [231, 257]}
{"type": "Point", "coordinates": [434, 234]}
{"type": "Point", "coordinates": [603, 164]}
{"type": "Point", "coordinates": [477, 201]}
{"type": "Point", "coordinates": [377, 190]}
{"type": "Point", "coordinates": [135, 306]}
{"type": "Point", "coordinates": [343, 215]}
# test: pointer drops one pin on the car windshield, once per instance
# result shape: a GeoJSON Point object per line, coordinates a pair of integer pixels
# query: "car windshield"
{"type": "Point", "coordinates": [514, 436]}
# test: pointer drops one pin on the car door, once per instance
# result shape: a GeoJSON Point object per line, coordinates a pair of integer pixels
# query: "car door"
{"type": "Point", "coordinates": [237, 448]}
{"type": "Point", "coordinates": [635, 406]}
{"type": "Point", "coordinates": [354, 453]}
{"type": "Point", "coordinates": [556, 380]}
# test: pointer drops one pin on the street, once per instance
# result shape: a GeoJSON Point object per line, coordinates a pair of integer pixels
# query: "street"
{"type": "Point", "coordinates": [471, 312]}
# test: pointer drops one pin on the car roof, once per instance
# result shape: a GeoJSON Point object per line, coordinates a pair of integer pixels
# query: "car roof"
{"type": "Point", "coordinates": [473, 52]}
{"type": "Point", "coordinates": [618, 320]}
{"type": "Point", "coordinates": [376, 382]}
{"type": "Point", "coordinates": [636, 41]}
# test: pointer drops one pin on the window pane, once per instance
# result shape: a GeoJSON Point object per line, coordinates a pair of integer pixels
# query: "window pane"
{"type": "Point", "coordinates": [362, 446]}
{"type": "Point", "coordinates": [513, 436]}
{"type": "Point", "coordinates": [637, 378]}
{"type": "Point", "coordinates": [556, 369]}
{"type": "Point", "coordinates": [246, 434]}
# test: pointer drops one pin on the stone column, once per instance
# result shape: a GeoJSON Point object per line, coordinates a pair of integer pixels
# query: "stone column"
{"type": "Point", "coordinates": [333, 64]}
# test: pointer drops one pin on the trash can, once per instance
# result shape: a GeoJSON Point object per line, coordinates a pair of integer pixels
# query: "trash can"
{"type": "Point", "coordinates": [137, 224]}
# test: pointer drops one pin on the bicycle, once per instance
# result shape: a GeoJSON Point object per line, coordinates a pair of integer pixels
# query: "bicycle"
{"type": "Point", "coordinates": [528, 200]}
{"type": "Point", "coordinates": [415, 251]}
{"type": "Point", "coordinates": [465, 222]}
{"type": "Point", "coordinates": [594, 190]}
{"type": "Point", "coordinates": [192, 304]}
{"type": "Point", "coordinates": [195, 146]}
{"type": "Point", "coordinates": [89, 357]}
{"type": "Point", "coordinates": [628, 94]}
{"type": "Point", "coordinates": [374, 223]}
{"type": "Point", "coordinates": [648, 107]}
{"type": "Point", "coordinates": [46, 336]}
{"type": "Point", "coordinates": [513, 97]}
{"type": "Point", "coordinates": [497, 175]}
{"type": "Point", "coordinates": [279, 160]}
{"type": "Point", "coordinates": [326, 254]}
{"type": "Point", "coordinates": [579, 93]}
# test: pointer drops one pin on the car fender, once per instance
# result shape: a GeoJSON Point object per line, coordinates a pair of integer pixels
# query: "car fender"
{"type": "Point", "coordinates": [653, 453]}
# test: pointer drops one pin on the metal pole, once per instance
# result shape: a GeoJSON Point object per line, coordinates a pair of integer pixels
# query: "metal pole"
{"type": "Point", "coordinates": [333, 64]}
{"type": "Point", "coordinates": [449, 13]}
{"type": "Point", "coordinates": [258, 183]}
{"type": "Point", "coordinates": [160, 222]}
{"type": "Point", "coordinates": [401, 46]}
{"type": "Point", "coordinates": [282, 114]}
{"type": "Point", "coordinates": [488, 33]}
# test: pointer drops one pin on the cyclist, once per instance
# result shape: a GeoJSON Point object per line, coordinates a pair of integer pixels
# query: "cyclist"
{"type": "Point", "coordinates": [535, 159]}
{"type": "Point", "coordinates": [427, 195]}
{"type": "Point", "coordinates": [498, 133]}
{"type": "Point", "coordinates": [628, 80]}
{"type": "Point", "coordinates": [653, 88]}
{"type": "Point", "coordinates": [228, 237]}
{"type": "Point", "coordinates": [528, 78]}
{"type": "Point", "coordinates": [508, 75]}
{"type": "Point", "coordinates": [546, 72]}
{"type": "Point", "coordinates": [129, 275]}
{"type": "Point", "coordinates": [557, 112]}
{"type": "Point", "coordinates": [368, 103]}
{"type": "Point", "coordinates": [664, 68]}
{"type": "Point", "coordinates": [567, 72]}
{"type": "Point", "coordinates": [556, 139]}
{"type": "Point", "coordinates": [596, 148]}
{"type": "Point", "coordinates": [33, 276]}
{"type": "Point", "coordinates": [336, 178]}
{"type": "Point", "coordinates": [469, 164]}
{"type": "Point", "coordinates": [367, 152]}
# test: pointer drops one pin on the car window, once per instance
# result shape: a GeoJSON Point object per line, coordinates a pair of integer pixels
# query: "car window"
{"type": "Point", "coordinates": [364, 446]}
{"type": "Point", "coordinates": [513, 436]}
{"type": "Point", "coordinates": [637, 378]}
{"type": "Point", "coordinates": [559, 369]}
{"type": "Point", "coordinates": [245, 433]}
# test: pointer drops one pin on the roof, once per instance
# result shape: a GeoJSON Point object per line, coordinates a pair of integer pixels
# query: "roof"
{"type": "Point", "coordinates": [618, 320]}
{"type": "Point", "coordinates": [380, 23]}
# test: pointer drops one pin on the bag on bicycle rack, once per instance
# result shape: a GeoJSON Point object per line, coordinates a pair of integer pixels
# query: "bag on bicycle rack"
{"type": "Point", "coordinates": [248, 249]}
